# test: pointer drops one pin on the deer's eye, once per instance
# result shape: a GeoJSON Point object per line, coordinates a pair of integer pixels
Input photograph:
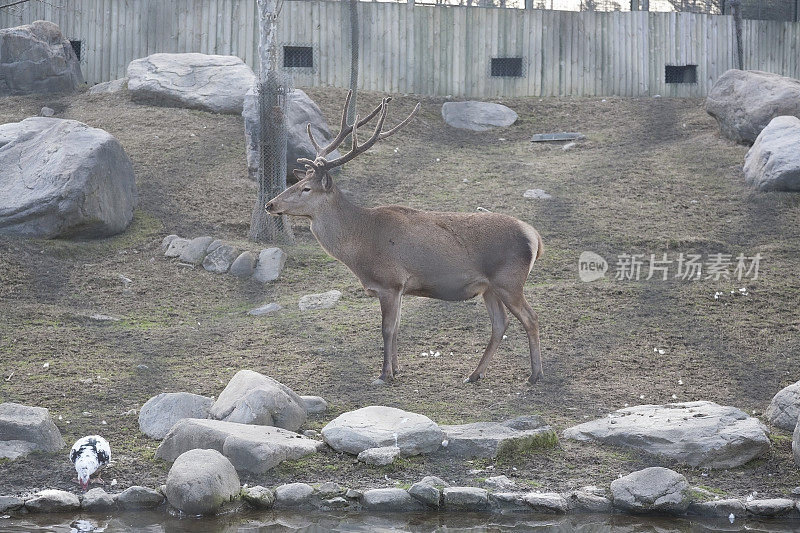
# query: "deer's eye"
{"type": "Point", "coordinates": [307, 189]}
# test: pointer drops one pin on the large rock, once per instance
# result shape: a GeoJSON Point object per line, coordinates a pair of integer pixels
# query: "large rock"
{"type": "Point", "coordinates": [270, 264]}
{"type": "Point", "coordinates": [744, 102]}
{"type": "Point", "coordinates": [652, 490]}
{"type": "Point", "coordinates": [160, 413]}
{"type": "Point", "coordinates": [195, 250]}
{"type": "Point", "coordinates": [700, 434]}
{"type": "Point", "coordinates": [253, 449]}
{"type": "Point", "coordinates": [547, 502]}
{"type": "Point", "coordinates": [391, 499]}
{"type": "Point", "coordinates": [201, 481]}
{"type": "Point", "coordinates": [53, 501]}
{"type": "Point", "coordinates": [220, 260]}
{"type": "Point", "coordinates": [138, 497]}
{"type": "Point", "coordinates": [796, 444]}
{"type": "Point", "coordinates": [244, 265]}
{"type": "Point", "coordinates": [252, 398]}
{"type": "Point", "coordinates": [25, 429]}
{"type": "Point", "coordinates": [379, 456]}
{"type": "Point", "coordinates": [491, 439]}
{"type": "Point", "coordinates": [37, 59]}
{"type": "Point", "coordinates": [195, 81]}
{"type": "Point", "coordinates": [293, 494]}
{"type": "Point", "coordinates": [98, 500]}
{"type": "Point", "coordinates": [773, 162]}
{"type": "Point", "coordinates": [477, 116]}
{"type": "Point", "coordinates": [259, 497]}
{"type": "Point", "coordinates": [784, 409]}
{"type": "Point", "coordinates": [61, 178]}
{"type": "Point", "coordinates": [465, 498]}
{"type": "Point", "coordinates": [773, 507]}
{"type": "Point", "coordinates": [378, 426]}
{"type": "Point", "coordinates": [427, 494]}
{"type": "Point", "coordinates": [113, 86]}
{"type": "Point", "coordinates": [301, 111]}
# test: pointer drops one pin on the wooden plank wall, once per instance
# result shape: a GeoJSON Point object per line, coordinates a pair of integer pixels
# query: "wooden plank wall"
{"type": "Point", "coordinates": [432, 50]}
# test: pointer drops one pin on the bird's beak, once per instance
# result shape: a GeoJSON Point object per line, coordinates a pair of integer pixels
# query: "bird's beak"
{"type": "Point", "coordinates": [85, 486]}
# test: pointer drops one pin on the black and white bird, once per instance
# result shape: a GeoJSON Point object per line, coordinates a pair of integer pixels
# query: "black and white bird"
{"type": "Point", "coordinates": [89, 455]}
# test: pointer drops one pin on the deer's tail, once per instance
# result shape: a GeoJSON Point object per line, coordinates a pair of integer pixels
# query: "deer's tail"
{"type": "Point", "coordinates": [540, 247]}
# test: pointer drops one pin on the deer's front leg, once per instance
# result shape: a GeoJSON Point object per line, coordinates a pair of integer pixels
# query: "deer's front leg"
{"type": "Point", "coordinates": [390, 311]}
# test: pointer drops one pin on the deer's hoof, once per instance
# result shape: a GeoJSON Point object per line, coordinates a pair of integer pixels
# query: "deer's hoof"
{"type": "Point", "coordinates": [535, 377]}
{"type": "Point", "coordinates": [473, 378]}
{"type": "Point", "coordinates": [379, 382]}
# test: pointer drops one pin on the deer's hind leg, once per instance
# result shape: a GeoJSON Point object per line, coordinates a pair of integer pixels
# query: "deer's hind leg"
{"type": "Point", "coordinates": [521, 309]}
{"type": "Point", "coordinates": [390, 312]}
{"type": "Point", "coordinates": [499, 319]}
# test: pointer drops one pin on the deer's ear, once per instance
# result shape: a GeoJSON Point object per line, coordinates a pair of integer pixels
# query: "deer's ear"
{"type": "Point", "coordinates": [299, 174]}
{"type": "Point", "coordinates": [327, 182]}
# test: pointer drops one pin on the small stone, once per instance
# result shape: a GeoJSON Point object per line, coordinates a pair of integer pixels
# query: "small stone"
{"type": "Point", "coordinates": [293, 494]}
{"type": "Point", "coordinates": [195, 250]}
{"type": "Point", "coordinates": [53, 501]}
{"type": "Point", "coordinates": [655, 489]}
{"type": "Point", "coordinates": [265, 309]}
{"type": "Point", "coordinates": [379, 456]}
{"type": "Point", "coordinates": [500, 483]}
{"type": "Point", "coordinates": [425, 493]}
{"type": "Point", "coordinates": [10, 504]}
{"type": "Point", "coordinates": [587, 501]}
{"type": "Point", "coordinates": [353, 494]}
{"type": "Point", "coordinates": [314, 404]}
{"type": "Point", "coordinates": [391, 499]}
{"type": "Point", "coordinates": [569, 146]}
{"type": "Point", "coordinates": [243, 266]}
{"type": "Point", "coordinates": [103, 318]}
{"type": "Point", "coordinates": [47, 112]}
{"type": "Point", "coordinates": [330, 489]}
{"type": "Point", "coordinates": [324, 300]}
{"type": "Point", "coordinates": [138, 497]}
{"type": "Point", "coordinates": [465, 498]}
{"type": "Point", "coordinates": [97, 499]}
{"type": "Point", "coordinates": [784, 409]}
{"type": "Point", "coordinates": [259, 497]}
{"type": "Point", "coordinates": [538, 194]}
{"type": "Point", "coordinates": [270, 264]}
{"type": "Point", "coordinates": [336, 503]}
{"type": "Point", "coordinates": [311, 433]}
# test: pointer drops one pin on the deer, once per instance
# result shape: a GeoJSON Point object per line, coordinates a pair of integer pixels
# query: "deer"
{"type": "Point", "coordinates": [395, 250]}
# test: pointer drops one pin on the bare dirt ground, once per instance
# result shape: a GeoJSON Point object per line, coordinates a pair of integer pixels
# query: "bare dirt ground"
{"type": "Point", "coordinates": [653, 176]}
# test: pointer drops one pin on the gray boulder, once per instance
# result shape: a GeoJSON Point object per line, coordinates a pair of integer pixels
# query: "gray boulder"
{"type": "Point", "coordinates": [652, 490]}
{"type": "Point", "coordinates": [379, 456]}
{"type": "Point", "coordinates": [252, 398]}
{"type": "Point", "coordinates": [301, 111]}
{"type": "Point", "coordinates": [270, 264]}
{"type": "Point", "coordinates": [378, 426]}
{"type": "Point", "coordinates": [314, 404]}
{"type": "Point", "coordinates": [718, 508]}
{"type": "Point", "coordinates": [220, 260]}
{"type": "Point", "coordinates": [160, 413]}
{"type": "Point", "coordinates": [176, 247]}
{"type": "Point", "coordinates": [10, 504]}
{"type": "Point", "coordinates": [138, 497]}
{"type": "Point", "coordinates": [465, 499]}
{"type": "Point", "coordinates": [201, 481]}
{"type": "Point", "coordinates": [113, 86]}
{"type": "Point", "coordinates": [252, 449]}
{"type": "Point", "coordinates": [547, 502]}
{"type": "Point", "coordinates": [97, 500]}
{"type": "Point", "coordinates": [293, 495]}
{"type": "Point", "coordinates": [324, 300]}
{"type": "Point", "coordinates": [243, 266]}
{"type": "Point", "coordinates": [37, 59]}
{"type": "Point", "coordinates": [391, 499]}
{"type": "Point", "coordinates": [700, 434]}
{"type": "Point", "coordinates": [773, 162]}
{"type": "Point", "coordinates": [435, 481]}
{"type": "Point", "coordinates": [259, 497]}
{"type": "Point", "coordinates": [796, 444]}
{"type": "Point", "coordinates": [196, 81]}
{"type": "Point", "coordinates": [492, 439]}
{"type": "Point", "coordinates": [784, 409]}
{"type": "Point", "coordinates": [61, 178]}
{"type": "Point", "coordinates": [477, 116]}
{"type": "Point", "coordinates": [53, 501]}
{"type": "Point", "coordinates": [587, 501]}
{"type": "Point", "coordinates": [774, 507]}
{"type": "Point", "coordinates": [167, 241]}
{"type": "Point", "coordinates": [500, 483]}
{"type": "Point", "coordinates": [744, 102]}
{"type": "Point", "coordinates": [427, 494]}
{"type": "Point", "coordinates": [329, 489]}
{"type": "Point", "coordinates": [195, 250]}
{"type": "Point", "coordinates": [25, 429]}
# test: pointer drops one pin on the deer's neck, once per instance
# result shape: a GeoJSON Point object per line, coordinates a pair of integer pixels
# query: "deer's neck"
{"type": "Point", "coordinates": [338, 225]}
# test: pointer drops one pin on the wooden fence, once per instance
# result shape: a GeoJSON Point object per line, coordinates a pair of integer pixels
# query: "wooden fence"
{"type": "Point", "coordinates": [433, 50]}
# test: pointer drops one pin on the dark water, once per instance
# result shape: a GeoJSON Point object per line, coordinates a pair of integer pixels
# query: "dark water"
{"type": "Point", "coordinates": [158, 522]}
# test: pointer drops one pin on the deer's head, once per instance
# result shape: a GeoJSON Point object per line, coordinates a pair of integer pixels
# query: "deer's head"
{"type": "Point", "coordinates": [315, 184]}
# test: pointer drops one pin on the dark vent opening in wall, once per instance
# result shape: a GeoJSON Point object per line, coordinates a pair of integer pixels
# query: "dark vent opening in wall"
{"type": "Point", "coordinates": [298, 56]}
{"type": "Point", "coordinates": [76, 45]}
{"type": "Point", "coordinates": [507, 67]}
{"type": "Point", "coordinates": [680, 73]}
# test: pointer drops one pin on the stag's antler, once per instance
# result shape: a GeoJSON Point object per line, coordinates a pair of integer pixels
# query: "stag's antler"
{"type": "Point", "coordinates": [345, 130]}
